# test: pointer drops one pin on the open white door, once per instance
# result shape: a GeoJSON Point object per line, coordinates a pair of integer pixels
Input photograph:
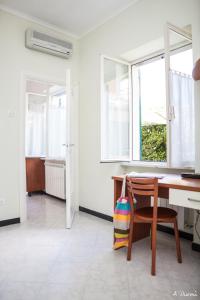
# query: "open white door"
{"type": "Point", "coordinates": [71, 205]}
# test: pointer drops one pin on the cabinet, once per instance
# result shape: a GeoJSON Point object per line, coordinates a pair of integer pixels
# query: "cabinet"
{"type": "Point", "coordinates": [35, 174]}
{"type": "Point", "coordinates": [188, 199]}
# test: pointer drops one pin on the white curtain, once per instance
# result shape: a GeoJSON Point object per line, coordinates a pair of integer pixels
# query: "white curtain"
{"type": "Point", "coordinates": [57, 126]}
{"type": "Point", "coordinates": [182, 124]}
{"type": "Point", "coordinates": [36, 126]}
{"type": "Point", "coordinates": [40, 140]}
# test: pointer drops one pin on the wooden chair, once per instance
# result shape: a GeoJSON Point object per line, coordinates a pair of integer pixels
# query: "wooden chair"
{"type": "Point", "coordinates": [152, 215]}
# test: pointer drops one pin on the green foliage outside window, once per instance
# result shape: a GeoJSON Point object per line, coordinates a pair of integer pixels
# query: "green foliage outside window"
{"type": "Point", "coordinates": [153, 138]}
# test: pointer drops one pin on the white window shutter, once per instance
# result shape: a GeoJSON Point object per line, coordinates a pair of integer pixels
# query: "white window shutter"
{"type": "Point", "coordinates": [115, 110]}
{"type": "Point", "coordinates": [180, 102]}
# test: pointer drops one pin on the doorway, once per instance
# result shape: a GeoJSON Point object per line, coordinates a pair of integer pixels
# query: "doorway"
{"type": "Point", "coordinates": [45, 152]}
{"type": "Point", "coordinates": [57, 106]}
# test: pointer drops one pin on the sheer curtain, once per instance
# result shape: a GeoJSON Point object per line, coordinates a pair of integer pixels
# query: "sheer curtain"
{"type": "Point", "coordinates": [36, 126]}
{"type": "Point", "coordinates": [182, 124]}
{"type": "Point", "coordinates": [46, 138]}
{"type": "Point", "coordinates": [57, 126]}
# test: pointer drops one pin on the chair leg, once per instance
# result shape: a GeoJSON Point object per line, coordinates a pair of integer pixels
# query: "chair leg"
{"type": "Point", "coordinates": [130, 240]}
{"type": "Point", "coordinates": [151, 235]}
{"type": "Point", "coordinates": [178, 247]}
{"type": "Point", "coordinates": [153, 263]}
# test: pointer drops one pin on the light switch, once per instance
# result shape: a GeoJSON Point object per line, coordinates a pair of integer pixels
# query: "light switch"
{"type": "Point", "coordinates": [11, 113]}
{"type": "Point", "coordinates": [2, 201]}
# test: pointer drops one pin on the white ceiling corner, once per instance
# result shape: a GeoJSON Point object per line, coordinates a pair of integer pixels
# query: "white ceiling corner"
{"type": "Point", "coordinates": [71, 17]}
{"type": "Point", "coordinates": [36, 20]}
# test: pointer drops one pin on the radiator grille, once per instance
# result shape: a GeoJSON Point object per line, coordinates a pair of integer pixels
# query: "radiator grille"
{"type": "Point", "coordinates": [50, 39]}
{"type": "Point", "coordinates": [55, 179]}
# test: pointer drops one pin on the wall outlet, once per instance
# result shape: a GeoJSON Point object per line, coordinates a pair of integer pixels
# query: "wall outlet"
{"type": "Point", "coordinates": [2, 201]}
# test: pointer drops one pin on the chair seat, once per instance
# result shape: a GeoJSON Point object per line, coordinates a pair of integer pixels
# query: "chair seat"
{"type": "Point", "coordinates": [146, 214]}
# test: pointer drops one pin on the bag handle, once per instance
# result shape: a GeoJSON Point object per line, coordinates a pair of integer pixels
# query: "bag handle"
{"type": "Point", "coordinates": [123, 192]}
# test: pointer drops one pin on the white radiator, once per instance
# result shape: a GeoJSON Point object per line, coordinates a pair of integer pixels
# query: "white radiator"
{"type": "Point", "coordinates": [55, 179]}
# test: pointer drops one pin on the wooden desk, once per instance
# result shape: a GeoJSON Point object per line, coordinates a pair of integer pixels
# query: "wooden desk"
{"type": "Point", "coordinates": [179, 191]}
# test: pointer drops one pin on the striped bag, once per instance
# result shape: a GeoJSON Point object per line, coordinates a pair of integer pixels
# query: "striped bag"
{"type": "Point", "coordinates": [121, 220]}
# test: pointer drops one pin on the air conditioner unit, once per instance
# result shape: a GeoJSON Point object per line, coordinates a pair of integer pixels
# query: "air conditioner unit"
{"type": "Point", "coordinates": [42, 42]}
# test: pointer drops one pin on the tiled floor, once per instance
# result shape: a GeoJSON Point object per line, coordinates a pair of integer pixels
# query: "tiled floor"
{"type": "Point", "coordinates": [41, 260]}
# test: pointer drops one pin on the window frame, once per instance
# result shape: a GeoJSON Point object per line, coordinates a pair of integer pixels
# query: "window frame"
{"type": "Point", "coordinates": [167, 28]}
{"type": "Point", "coordinates": [102, 58]}
{"type": "Point", "coordinates": [140, 62]}
{"type": "Point", "coordinates": [164, 53]}
{"type": "Point", "coordinates": [47, 101]}
{"type": "Point", "coordinates": [145, 60]}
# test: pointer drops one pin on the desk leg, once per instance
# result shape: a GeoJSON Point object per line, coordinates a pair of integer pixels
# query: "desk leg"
{"type": "Point", "coordinates": [140, 230]}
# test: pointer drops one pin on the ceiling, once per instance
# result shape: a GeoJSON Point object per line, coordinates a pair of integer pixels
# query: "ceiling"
{"type": "Point", "coordinates": [74, 16]}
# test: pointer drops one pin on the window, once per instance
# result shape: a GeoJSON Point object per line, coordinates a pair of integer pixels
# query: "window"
{"type": "Point", "coordinates": [45, 120]}
{"type": "Point", "coordinates": [154, 123]}
{"type": "Point", "coordinates": [179, 64]}
{"type": "Point", "coordinates": [36, 125]}
{"type": "Point", "coordinates": [149, 111]}
{"type": "Point", "coordinates": [115, 111]}
{"type": "Point", "coordinates": [182, 128]}
{"type": "Point", "coordinates": [57, 123]}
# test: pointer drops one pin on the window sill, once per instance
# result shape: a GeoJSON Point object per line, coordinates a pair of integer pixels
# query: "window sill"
{"type": "Point", "coordinates": [158, 165]}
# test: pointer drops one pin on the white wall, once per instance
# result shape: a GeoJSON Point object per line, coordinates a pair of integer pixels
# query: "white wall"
{"type": "Point", "coordinates": [15, 59]}
{"type": "Point", "coordinates": [196, 50]}
{"type": "Point", "coordinates": [136, 26]}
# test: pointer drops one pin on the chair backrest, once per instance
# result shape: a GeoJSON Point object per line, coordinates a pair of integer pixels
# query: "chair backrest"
{"type": "Point", "coordinates": [143, 187]}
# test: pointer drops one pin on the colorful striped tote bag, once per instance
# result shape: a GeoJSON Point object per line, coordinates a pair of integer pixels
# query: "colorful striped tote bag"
{"type": "Point", "coordinates": [121, 220]}
{"type": "Point", "coordinates": [121, 223]}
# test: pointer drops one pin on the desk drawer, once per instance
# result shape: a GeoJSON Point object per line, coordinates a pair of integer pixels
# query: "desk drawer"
{"type": "Point", "coordinates": [184, 198]}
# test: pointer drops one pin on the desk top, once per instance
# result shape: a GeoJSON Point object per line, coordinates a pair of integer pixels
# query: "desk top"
{"type": "Point", "coordinates": [173, 182]}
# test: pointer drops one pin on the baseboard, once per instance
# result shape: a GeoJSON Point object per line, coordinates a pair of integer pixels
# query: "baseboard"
{"type": "Point", "coordinates": [9, 222]}
{"type": "Point", "coordinates": [36, 193]}
{"type": "Point", "coordinates": [196, 247]}
{"type": "Point", "coordinates": [96, 214]}
{"type": "Point", "coordinates": [44, 193]}
{"type": "Point", "coordinates": [183, 234]}
{"type": "Point", "coordinates": [54, 197]}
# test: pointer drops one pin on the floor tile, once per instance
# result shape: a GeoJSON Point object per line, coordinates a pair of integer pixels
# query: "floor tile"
{"type": "Point", "coordinates": [41, 260]}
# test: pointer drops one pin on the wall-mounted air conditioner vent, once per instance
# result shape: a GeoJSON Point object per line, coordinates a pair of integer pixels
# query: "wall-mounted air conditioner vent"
{"type": "Point", "coordinates": [42, 42]}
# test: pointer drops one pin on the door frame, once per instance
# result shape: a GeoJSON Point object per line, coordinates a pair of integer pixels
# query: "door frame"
{"type": "Point", "coordinates": [22, 155]}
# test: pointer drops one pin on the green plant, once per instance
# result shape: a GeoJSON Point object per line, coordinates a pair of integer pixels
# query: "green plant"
{"type": "Point", "coordinates": [153, 138]}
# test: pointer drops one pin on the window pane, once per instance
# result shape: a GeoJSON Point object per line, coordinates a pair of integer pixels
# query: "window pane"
{"type": "Point", "coordinates": [152, 110]}
{"type": "Point", "coordinates": [36, 125]}
{"type": "Point", "coordinates": [182, 62]}
{"type": "Point", "coordinates": [115, 111]}
{"type": "Point", "coordinates": [57, 123]}
{"type": "Point", "coordinates": [182, 101]}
